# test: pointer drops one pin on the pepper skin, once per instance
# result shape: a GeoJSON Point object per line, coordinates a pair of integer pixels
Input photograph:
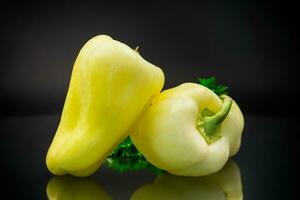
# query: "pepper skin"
{"type": "Point", "coordinates": [111, 85]}
{"type": "Point", "coordinates": [224, 185]}
{"type": "Point", "coordinates": [72, 188]}
{"type": "Point", "coordinates": [188, 130]}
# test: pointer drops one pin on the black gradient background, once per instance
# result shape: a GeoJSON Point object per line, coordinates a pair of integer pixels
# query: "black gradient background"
{"type": "Point", "coordinates": [247, 45]}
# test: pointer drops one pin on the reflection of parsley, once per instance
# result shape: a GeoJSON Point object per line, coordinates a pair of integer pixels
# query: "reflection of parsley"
{"type": "Point", "coordinates": [212, 85]}
{"type": "Point", "coordinates": [125, 157]}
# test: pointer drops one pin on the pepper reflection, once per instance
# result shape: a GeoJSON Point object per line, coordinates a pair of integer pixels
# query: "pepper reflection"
{"type": "Point", "coordinates": [224, 185]}
{"type": "Point", "coordinates": [72, 188]}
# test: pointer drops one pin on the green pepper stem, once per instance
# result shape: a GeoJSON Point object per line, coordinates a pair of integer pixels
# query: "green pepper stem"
{"type": "Point", "coordinates": [211, 123]}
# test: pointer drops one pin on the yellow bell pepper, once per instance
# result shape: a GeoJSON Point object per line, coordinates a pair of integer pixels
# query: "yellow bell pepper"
{"type": "Point", "coordinates": [188, 130]}
{"type": "Point", "coordinates": [111, 85]}
{"type": "Point", "coordinates": [72, 188]}
{"type": "Point", "coordinates": [224, 185]}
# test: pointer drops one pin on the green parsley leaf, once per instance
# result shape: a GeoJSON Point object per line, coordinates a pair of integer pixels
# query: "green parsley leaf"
{"type": "Point", "coordinates": [125, 157]}
{"type": "Point", "coordinates": [211, 83]}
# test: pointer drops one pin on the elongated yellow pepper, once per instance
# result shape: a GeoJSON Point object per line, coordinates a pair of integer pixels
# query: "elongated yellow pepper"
{"type": "Point", "coordinates": [224, 185]}
{"type": "Point", "coordinates": [111, 85]}
{"type": "Point", "coordinates": [188, 130]}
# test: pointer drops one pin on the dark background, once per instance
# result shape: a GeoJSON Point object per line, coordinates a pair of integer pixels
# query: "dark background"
{"type": "Point", "coordinates": [247, 45]}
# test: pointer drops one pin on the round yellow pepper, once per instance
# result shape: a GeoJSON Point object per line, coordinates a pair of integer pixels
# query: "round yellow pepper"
{"type": "Point", "coordinates": [188, 130]}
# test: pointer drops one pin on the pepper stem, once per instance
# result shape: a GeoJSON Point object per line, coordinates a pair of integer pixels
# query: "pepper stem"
{"type": "Point", "coordinates": [137, 49]}
{"type": "Point", "coordinates": [210, 124]}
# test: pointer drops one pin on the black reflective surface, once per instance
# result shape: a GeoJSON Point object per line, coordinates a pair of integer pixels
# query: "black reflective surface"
{"type": "Point", "coordinates": [265, 161]}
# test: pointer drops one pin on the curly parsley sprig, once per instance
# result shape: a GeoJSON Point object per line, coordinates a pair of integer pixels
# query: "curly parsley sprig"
{"type": "Point", "coordinates": [211, 83]}
{"type": "Point", "coordinates": [125, 157]}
